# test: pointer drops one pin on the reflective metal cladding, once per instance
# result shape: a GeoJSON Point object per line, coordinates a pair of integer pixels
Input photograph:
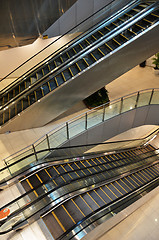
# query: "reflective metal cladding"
{"type": "Point", "coordinates": [22, 21]}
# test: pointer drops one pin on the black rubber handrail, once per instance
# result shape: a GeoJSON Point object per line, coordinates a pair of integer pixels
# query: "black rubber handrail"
{"type": "Point", "coordinates": [18, 211]}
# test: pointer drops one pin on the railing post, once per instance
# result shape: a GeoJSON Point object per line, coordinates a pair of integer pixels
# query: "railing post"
{"type": "Point", "coordinates": [35, 152]}
{"type": "Point", "coordinates": [103, 113]}
{"type": "Point", "coordinates": [151, 96]}
{"type": "Point", "coordinates": [48, 143]}
{"type": "Point", "coordinates": [121, 106]}
{"type": "Point", "coordinates": [67, 130]}
{"type": "Point", "coordinates": [137, 99]}
{"type": "Point", "coordinates": [86, 121]}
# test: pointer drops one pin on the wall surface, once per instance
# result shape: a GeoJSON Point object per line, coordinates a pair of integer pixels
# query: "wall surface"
{"type": "Point", "coordinates": [80, 11]}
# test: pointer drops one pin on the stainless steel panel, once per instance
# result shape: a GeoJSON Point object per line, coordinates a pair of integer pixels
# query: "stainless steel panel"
{"type": "Point", "coordinates": [23, 21]}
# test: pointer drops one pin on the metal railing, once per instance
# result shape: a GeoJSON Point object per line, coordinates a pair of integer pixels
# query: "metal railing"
{"type": "Point", "coordinates": [57, 137]}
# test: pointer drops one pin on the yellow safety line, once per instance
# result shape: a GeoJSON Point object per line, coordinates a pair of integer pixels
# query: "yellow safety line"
{"type": "Point", "coordinates": [156, 172]}
{"type": "Point", "coordinates": [117, 189]}
{"type": "Point", "coordinates": [93, 161]}
{"type": "Point", "coordinates": [112, 162]}
{"type": "Point", "coordinates": [107, 28]}
{"type": "Point", "coordinates": [99, 160]}
{"type": "Point", "coordinates": [100, 196]}
{"type": "Point", "coordinates": [80, 45]}
{"type": "Point", "coordinates": [124, 36]}
{"type": "Point", "coordinates": [129, 182]}
{"type": "Point", "coordinates": [49, 86]}
{"type": "Point", "coordinates": [61, 59]}
{"type": "Point", "coordinates": [55, 63]}
{"type": "Point", "coordinates": [50, 176]}
{"type": "Point", "coordinates": [139, 177]}
{"type": "Point", "coordinates": [125, 184]}
{"type": "Point", "coordinates": [40, 180]}
{"type": "Point", "coordinates": [115, 24]}
{"type": "Point", "coordinates": [99, 168]}
{"type": "Point", "coordinates": [145, 176]}
{"type": "Point", "coordinates": [69, 214]}
{"type": "Point", "coordinates": [73, 169]}
{"type": "Point", "coordinates": [28, 100]}
{"type": "Point", "coordinates": [66, 171]}
{"type": "Point", "coordinates": [149, 173]}
{"type": "Point", "coordinates": [78, 67]}
{"type": "Point", "coordinates": [111, 191]}
{"type": "Point", "coordinates": [101, 52]}
{"type": "Point", "coordinates": [133, 180]}
{"type": "Point", "coordinates": [87, 41]}
{"type": "Point", "coordinates": [93, 199]}
{"type": "Point", "coordinates": [86, 203]}
{"type": "Point", "coordinates": [85, 167]}
{"type": "Point", "coordinates": [63, 76]}
{"type": "Point", "coordinates": [56, 81]}
{"type": "Point", "coordinates": [128, 15]}
{"type": "Point", "coordinates": [86, 62]}
{"type": "Point", "coordinates": [70, 71]}
{"type": "Point", "coordinates": [58, 221]}
{"type": "Point", "coordinates": [35, 95]}
{"type": "Point", "coordinates": [59, 174]}
{"type": "Point", "coordinates": [132, 31]}
{"type": "Point", "coordinates": [108, 46]}
{"type": "Point", "coordinates": [42, 91]}
{"type": "Point", "coordinates": [74, 51]}
{"type": "Point", "coordinates": [155, 15]}
{"type": "Point", "coordinates": [101, 33]}
{"type": "Point", "coordinates": [77, 165]}
{"type": "Point", "coordinates": [78, 207]}
{"type": "Point", "coordinates": [94, 37]}
{"type": "Point", "coordinates": [106, 194]}
{"type": "Point", "coordinates": [121, 186]}
{"type": "Point", "coordinates": [93, 56]}
{"type": "Point", "coordinates": [49, 67]}
{"type": "Point", "coordinates": [139, 26]}
{"type": "Point", "coordinates": [13, 95]}
{"type": "Point", "coordinates": [32, 187]}
{"type": "Point", "coordinates": [42, 71]}
{"type": "Point", "coordinates": [88, 163]}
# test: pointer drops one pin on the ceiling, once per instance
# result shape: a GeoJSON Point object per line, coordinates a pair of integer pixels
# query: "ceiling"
{"type": "Point", "coordinates": [23, 21]}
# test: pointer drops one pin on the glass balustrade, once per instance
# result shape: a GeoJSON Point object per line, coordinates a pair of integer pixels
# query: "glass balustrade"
{"type": "Point", "coordinates": [57, 137]}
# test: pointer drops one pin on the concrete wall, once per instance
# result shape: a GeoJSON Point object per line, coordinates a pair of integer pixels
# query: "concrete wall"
{"type": "Point", "coordinates": [80, 11]}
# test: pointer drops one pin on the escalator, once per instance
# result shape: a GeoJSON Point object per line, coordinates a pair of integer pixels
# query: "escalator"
{"type": "Point", "coordinates": [64, 222]}
{"type": "Point", "coordinates": [94, 46]}
{"type": "Point", "coordinates": [52, 185]}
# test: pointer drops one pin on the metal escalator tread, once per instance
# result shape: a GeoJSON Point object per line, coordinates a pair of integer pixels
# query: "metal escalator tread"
{"type": "Point", "coordinates": [82, 205]}
{"type": "Point", "coordinates": [62, 213]}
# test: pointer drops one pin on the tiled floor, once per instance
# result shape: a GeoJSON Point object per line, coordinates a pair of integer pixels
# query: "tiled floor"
{"type": "Point", "coordinates": [143, 224]}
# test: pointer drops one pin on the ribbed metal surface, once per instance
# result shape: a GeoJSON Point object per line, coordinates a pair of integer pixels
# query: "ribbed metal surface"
{"type": "Point", "coordinates": [22, 21]}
